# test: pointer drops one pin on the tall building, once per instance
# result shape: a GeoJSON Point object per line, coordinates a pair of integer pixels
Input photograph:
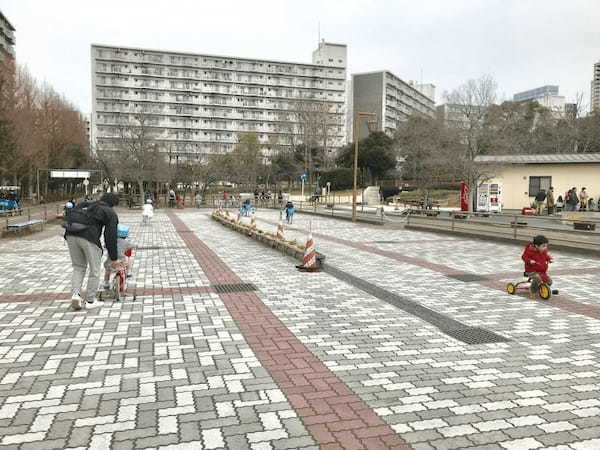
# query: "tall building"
{"type": "Point", "coordinates": [198, 103]}
{"type": "Point", "coordinates": [534, 94]}
{"type": "Point", "coordinates": [390, 98]}
{"type": "Point", "coordinates": [595, 89]}
{"type": "Point", "coordinates": [548, 97]}
{"type": "Point", "coordinates": [7, 38]}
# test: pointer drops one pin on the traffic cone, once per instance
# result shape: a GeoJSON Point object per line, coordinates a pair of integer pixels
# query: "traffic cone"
{"type": "Point", "coordinates": [237, 220]}
{"type": "Point", "coordinates": [280, 230]}
{"type": "Point", "coordinates": [253, 223]}
{"type": "Point", "coordinates": [309, 261]}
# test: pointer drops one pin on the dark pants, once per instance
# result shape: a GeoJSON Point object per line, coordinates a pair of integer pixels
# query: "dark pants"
{"type": "Point", "coordinates": [536, 281]}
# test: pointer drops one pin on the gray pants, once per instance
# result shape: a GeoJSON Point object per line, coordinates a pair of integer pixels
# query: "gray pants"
{"type": "Point", "coordinates": [84, 254]}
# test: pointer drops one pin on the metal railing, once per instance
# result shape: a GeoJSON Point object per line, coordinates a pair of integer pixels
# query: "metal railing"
{"type": "Point", "coordinates": [44, 213]}
{"type": "Point", "coordinates": [559, 230]}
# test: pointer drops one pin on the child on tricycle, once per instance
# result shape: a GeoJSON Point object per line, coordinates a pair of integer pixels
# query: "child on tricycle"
{"type": "Point", "coordinates": [536, 259]}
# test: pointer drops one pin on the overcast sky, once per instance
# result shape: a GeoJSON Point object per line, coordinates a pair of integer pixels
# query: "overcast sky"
{"type": "Point", "coordinates": [523, 44]}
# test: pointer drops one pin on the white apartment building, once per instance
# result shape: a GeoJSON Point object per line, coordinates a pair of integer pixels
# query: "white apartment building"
{"type": "Point", "coordinates": [595, 89]}
{"type": "Point", "coordinates": [391, 99]}
{"type": "Point", "coordinates": [198, 103]}
{"type": "Point", "coordinates": [7, 38]}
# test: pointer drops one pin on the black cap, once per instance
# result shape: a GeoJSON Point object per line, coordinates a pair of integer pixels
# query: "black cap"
{"type": "Point", "coordinates": [540, 239]}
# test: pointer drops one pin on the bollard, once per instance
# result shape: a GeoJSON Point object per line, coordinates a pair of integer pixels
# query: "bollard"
{"type": "Point", "coordinates": [45, 213]}
{"type": "Point", "coordinates": [28, 214]}
{"type": "Point", "coordinates": [515, 227]}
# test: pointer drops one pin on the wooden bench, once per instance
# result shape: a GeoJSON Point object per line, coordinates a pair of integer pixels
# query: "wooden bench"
{"type": "Point", "coordinates": [22, 226]}
{"type": "Point", "coordinates": [585, 226]}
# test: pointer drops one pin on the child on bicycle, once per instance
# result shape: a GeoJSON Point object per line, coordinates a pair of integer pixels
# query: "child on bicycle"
{"type": "Point", "coordinates": [124, 254]}
{"type": "Point", "coordinates": [536, 259]}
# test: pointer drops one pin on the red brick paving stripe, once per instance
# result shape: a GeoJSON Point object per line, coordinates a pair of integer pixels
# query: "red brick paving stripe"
{"type": "Point", "coordinates": [324, 404]}
{"type": "Point", "coordinates": [563, 302]}
{"type": "Point", "coordinates": [15, 298]}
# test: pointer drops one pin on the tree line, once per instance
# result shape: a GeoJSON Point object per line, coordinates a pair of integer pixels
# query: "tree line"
{"type": "Point", "coordinates": [39, 129]}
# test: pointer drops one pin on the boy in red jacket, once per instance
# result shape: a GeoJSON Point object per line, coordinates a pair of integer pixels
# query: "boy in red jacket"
{"type": "Point", "coordinates": [536, 259]}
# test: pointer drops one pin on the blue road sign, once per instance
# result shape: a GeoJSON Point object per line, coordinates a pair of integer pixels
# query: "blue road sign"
{"type": "Point", "coordinates": [304, 176]}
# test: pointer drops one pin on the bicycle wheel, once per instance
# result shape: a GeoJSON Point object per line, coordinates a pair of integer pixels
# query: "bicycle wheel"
{"type": "Point", "coordinates": [116, 287]}
{"type": "Point", "coordinates": [545, 291]}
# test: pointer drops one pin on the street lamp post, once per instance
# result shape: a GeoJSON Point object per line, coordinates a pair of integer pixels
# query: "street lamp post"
{"type": "Point", "coordinates": [357, 116]}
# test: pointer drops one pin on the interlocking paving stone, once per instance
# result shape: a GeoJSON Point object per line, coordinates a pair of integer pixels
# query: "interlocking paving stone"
{"type": "Point", "coordinates": [178, 333]}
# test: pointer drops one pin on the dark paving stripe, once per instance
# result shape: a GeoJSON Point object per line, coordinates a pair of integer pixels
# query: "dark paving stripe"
{"type": "Point", "coordinates": [468, 277]}
{"type": "Point", "coordinates": [560, 302]}
{"type": "Point", "coordinates": [447, 325]}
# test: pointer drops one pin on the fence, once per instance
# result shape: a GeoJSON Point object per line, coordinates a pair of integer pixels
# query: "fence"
{"type": "Point", "coordinates": [515, 227]}
{"type": "Point", "coordinates": [45, 213]}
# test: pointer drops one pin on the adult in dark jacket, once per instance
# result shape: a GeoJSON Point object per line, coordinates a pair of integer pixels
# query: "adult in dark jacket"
{"type": "Point", "coordinates": [86, 250]}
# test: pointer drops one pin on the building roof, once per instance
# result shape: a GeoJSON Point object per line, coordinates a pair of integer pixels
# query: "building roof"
{"type": "Point", "coordinates": [208, 55]}
{"type": "Point", "coordinates": [3, 17]}
{"type": "Point", "coordinates": [555, 158]}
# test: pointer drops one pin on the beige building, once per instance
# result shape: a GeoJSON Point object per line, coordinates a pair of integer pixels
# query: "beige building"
{"type": "Point", "coordinates": [522, 176]}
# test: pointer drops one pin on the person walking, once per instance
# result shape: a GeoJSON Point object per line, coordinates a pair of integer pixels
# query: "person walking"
{"type": "Point", "coordinates": [583, 199]}
{"type": "Point", "coordinates": [172, 198]}
{"type": "Point", "coordinates": [572, 200]}
{"type": "Point", "coordinates": [550, 201]}
{"type": "Point", "coordinates": [84, 225]}
{"type": "Point", "coordinates": [540, 198]}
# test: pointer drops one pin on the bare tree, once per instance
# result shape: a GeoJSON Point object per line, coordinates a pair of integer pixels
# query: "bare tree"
{"type": "Point", "coordinates": [136, 154]}
{"type": "Point", "coordinates": [470, 102]}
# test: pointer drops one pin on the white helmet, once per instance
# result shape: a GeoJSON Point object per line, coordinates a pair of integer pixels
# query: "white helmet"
{"type": "Point", "coordinates": [148, 201]}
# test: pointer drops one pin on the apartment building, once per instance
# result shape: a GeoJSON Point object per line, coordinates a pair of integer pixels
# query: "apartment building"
{"type": "Point", "coordinates": [7, 38]}
{"type": "Point", "coordinates": [390, 98]}
{"type": "Point", "coordinates": [595, 89]}
{"type": "Point", "coordinates": [198, 103]}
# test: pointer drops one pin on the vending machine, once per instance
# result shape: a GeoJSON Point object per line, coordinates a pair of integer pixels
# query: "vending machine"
{"type": "Point", "coordinates": [489, 197]}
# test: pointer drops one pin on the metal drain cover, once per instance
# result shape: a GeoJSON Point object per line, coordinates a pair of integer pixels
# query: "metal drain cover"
{"type": "Point", "coordinates": [468, 277]}
{"type": "Point", "coordinates": [476, 335]}
{"type": "Point", "coordinates": [228, 288]}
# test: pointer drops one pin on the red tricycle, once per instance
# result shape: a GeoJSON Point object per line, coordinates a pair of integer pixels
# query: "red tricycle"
{"type": "Point", "coordinates": [544, 290]}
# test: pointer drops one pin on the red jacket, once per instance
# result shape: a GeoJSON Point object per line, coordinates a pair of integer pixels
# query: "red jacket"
{"type": "Point", "coordinates": [536, 261]}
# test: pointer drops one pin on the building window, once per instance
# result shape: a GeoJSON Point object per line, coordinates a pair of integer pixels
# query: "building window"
{"type": "Point", "coordinates": [536, 184]}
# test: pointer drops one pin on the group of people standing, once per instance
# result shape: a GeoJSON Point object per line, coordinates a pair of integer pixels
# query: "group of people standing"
{"type": "Point", "coordinates": [572, 201]}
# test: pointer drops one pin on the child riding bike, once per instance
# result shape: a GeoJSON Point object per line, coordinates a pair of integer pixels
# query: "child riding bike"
{"type": "Point", "coordinates": [147, 211]}
{"type": "Point", "coordinates": [536, 259]}
{"type": "Point", "coordinates": [124, 255]}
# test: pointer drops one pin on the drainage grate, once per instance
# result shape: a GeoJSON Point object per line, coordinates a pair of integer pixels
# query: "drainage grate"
{"type": "Point", "coordinates": [474, 335]}
{"type": "Point", "coordinates": [468, 277]}
{"type": "Point", "coordinates": [228, 288]}
{"type": "Point", "coordinates": [444, 323]}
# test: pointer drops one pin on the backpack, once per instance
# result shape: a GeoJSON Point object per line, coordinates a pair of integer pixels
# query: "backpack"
{"type": "Point", "coordinates": [77, 220]}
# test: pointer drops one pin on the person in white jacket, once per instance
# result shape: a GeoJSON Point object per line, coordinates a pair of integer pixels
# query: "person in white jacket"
{"type": "Point", "coordinates": [147, 211]}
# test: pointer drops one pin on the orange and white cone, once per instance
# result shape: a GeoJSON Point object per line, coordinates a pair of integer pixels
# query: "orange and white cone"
{"type": "Point", "coordinates": [280, 230]}
{"type": "Point", "coordinates": [309, 261]}
{"type": "Point", "coordinates": [253, 223]}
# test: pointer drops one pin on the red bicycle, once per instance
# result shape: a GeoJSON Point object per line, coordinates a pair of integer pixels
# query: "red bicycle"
{"type": "Point", "coordinates": [118, 280]}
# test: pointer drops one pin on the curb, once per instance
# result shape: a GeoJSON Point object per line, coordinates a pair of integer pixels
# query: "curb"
{"type": "Point", "coordinates": [266, 239]}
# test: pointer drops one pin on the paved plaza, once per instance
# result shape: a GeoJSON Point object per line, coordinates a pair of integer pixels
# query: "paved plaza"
{"type": "Point", "coordinates": [405, 340]}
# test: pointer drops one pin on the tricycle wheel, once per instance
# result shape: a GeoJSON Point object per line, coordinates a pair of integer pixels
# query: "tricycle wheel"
{"type": "Point", "coordinates": [511, 288]}
{"type": "Point", "coordinates": [545, 291]}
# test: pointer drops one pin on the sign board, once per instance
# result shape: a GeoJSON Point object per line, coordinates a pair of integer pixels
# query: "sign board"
{"type": "Point", "coordinates": [86, 182]}
{"type": "Point", "coordinates": [304, 176]}
{"type": "Point", "coordinates": [69, 174]}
